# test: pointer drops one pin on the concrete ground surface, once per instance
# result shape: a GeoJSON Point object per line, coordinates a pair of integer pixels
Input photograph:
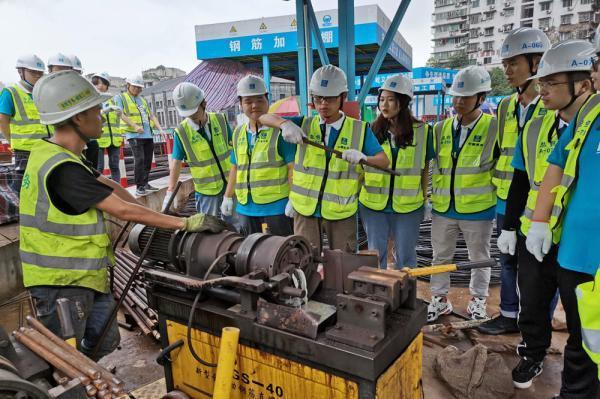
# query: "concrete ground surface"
{"type": "Point", "coordinates": [136, 364]}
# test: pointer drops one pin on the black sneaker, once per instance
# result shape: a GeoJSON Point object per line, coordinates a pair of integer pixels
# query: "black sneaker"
{"type": "Point", "coordinates": [140, 191]}
{"type": "Point", "coordinates": [150, 188]}
{"type": "Point", "coordinates": [499, 325]}
{"type": "Point", "coordinates": [525, 372]}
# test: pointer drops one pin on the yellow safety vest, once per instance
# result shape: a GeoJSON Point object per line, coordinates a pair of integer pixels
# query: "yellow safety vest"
{"type": "Point", "coordinates": [584, 122]}
{"type": "Point", "coordinates": [25, 126]}
{"type": "Point", "coordinates": [407, 192]}
{"type": "Point", "coordinates": [267, 180]}
{"type": "Point", "coordinates": [130, 109]}
{"type": "Point", "coordinates": [111, 129]}
{"type": "Point", "coordinates": [204, 157]}
{"type": "Point", "coordinates": [466, 177]}
{"type": "Point", "coordinates": [335, 184]}
{"type": "Point", "coordinates": [588, 303]}
{"type": "Point", "coordinates": [537, 146]}
{"type": "Point", "coordinates": [508, 131]}
{"type": "Point", "coordinates": [58, 249]}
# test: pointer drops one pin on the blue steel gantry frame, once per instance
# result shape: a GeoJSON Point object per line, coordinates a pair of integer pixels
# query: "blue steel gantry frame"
{"type": "Point", "coordinates": [308, 28]}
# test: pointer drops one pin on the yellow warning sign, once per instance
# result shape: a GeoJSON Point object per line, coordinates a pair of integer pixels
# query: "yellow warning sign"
{"type": "Point", "coordinates": [232, 30]}
{"type": "Point", "coordinates": [293, 24]}
{"type": "Point", "coordinates": [263, 26]}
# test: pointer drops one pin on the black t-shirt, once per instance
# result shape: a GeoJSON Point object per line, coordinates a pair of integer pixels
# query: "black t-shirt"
{"type": "Point", "coordinates": [73, 189]}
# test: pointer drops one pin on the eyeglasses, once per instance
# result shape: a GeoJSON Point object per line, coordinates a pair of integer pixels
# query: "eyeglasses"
{"type": "Point", "coordinates": [321, 99]}
{"type": "Point", "coordinates": [545, 85]}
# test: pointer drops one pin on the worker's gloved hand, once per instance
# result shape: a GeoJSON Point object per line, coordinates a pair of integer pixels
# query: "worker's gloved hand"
{"type": "Point", "coordinates": [291, 132]}
{"type": "Point", "coordinates": [202, 222]}
{"type": "Point", "coordinates": [166, 200]}
{"type": "Point", "coordinates": [507, 242]}
{"type": "Point", "coordinates": [353, 156]}
{"type": "Point", "coordinates": [289, 210]}
{"type": "Point", "coordinates": [539, 239]}
{"type": "Point", "coordinates": [112, 108]}
{"type": "Point", "coordinates": [227, 206]}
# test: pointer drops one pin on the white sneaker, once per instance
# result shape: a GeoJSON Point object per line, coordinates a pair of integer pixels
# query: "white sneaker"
{"type": "Point", "coordinates": [477, 308]}
{"type": "Point", "coordinates": [439, 306]}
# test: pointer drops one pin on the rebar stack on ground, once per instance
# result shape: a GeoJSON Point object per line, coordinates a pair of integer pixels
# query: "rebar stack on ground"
{"type": "Point", "coordinates": [69, 362]}
{"type": "Point", "coordinates": [459, 278]}
{"type": "Point", "coordinates": [136, 302]}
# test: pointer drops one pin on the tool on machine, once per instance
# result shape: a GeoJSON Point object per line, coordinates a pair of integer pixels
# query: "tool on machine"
{"type": "Point", "coordinates": [127, 287]}
{"type": "Point", "coordinates": [338, 154]}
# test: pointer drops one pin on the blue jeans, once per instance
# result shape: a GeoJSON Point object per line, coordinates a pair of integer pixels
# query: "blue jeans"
{"type": "Point", "coordinates": [509, 299]}
{"type": "Point", "coordinates": [89, 311]}
{"type": "Point", "coordinates": [403, 227]}
{"type": "Point", "coordinates": [113, 162]}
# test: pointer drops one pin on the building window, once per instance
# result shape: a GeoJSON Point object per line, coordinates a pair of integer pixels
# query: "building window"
{"type": "Point", "coordinates": [475, 18]}
{"type": "Point", "coordinates": [487, 46]}
{"type": "Point", "coordinates": [475, 3]}
{"type": "Point", "coordinates": [487, 60]}
{"type": "Point", "coordinates": [566, 19]}
{"type": "Point", "coordinates": [566, 36]}
{"type": "Point", "coordinates": [585, 16]}
{"type": "Point", "coordinates": [488, 15]}
{"type": "Point", "coordinates": [509, 12]}
{"type": "Point", "coordinates": [544, 23]}
{"type": "Point", "coordinates": [472, 47]}
{"type": "Point", "coordinates": [545, 6]}
{"type": "Point", "coordinates": [584, 2]}
{"type": "Point", "coordinates": [474, 33]}
{"type": "Point", "coordinates": [527, 24]}
{"type": "Point", "coordinates": [489, 31]}
{"type": "Point", "coordinates": [527, 11]}
{"type": "Point", "coordinates": [567, 3]}
{"type": "Point", "coordinates": [170, 103]}
{"type": "Point", "coordinates": [582, 34]}
{"type": "Point", "coordinates": [490, 2]}
{"type": "Point", "coordinates": [507, 27]}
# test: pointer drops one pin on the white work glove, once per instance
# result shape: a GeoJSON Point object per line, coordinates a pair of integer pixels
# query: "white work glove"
{"type": "Point", "coordinates": [166, 200]}
{"type": "Point", "coordinates": [507, 242]}
{"type": "Point", "coordinates": [539, 240]}
{"type": "Point", "coordinates": [227, 206]}
{"type": "Point", "coordinates": [353, 156]}
{"type": "Point", "coordinates": [291, 132]}
{"type": "Point", "coordinates": [289, 210]}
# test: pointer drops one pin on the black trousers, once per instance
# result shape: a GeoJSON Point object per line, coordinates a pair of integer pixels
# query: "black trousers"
{"type": "Point", "coordinates": [21, 159]}
{"type": "Point", "coordinates": [142, 157]}
{"type": "Point", "coordinates": [91, 153]}
{"type": "Point", "coordinates": [279, 225]}
{"type": "Point", "coordinates": [537, 283]}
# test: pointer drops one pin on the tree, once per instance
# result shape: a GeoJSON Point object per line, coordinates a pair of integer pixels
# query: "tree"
{"type": "Point", "coordinates": [499, 85]}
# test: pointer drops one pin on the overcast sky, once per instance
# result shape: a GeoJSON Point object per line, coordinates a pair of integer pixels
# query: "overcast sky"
{"type": "Point", "coordinates": [123, 37]}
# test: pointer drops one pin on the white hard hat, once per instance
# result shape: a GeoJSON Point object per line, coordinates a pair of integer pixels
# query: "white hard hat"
{"type": "Point", "coordinates": [470, 81]}
{"type": "Point", "coordinates": [328, 81]}
{"type": "Point", "coordinates": [187, 98]}
{"type": "Point", "coordinates": [524, 41]}
{"type": "Point", "coordinates": [136, 81]}
{"type": "Point", "coordinates": [567, 56]}
{"type": "Point", "coordinates": [102, 75]}
{"type": "Point", "coordinates": [76, 63]}
{"type": "Point", "coordinates": [398, 84]}
{"type": "Point", "coordinates": [251, 85]}
{"type": "Point", "coordinates": [59, 59]}
{"type": "Point", "coordinates": [31, 61]}
{"type": "Point", "coordinates": [61, 95]}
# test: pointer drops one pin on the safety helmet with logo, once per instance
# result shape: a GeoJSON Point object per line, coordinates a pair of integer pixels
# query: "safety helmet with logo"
{"type": "Point", "coordinates": [251, 85]}
{"type": "Point", "coordinates": [59, 59]}
{"type": "Point", "coordinates": [187, 98]}
{"type": "Point", "coordinates": [523, 41]}
{"type": "Point", "coordinates": [470, 81]}
{"type": "Point", "coordinates": [398, 84]}
{"type": "Point", "coordinates": [61, 95]}
{"type": "Point", "coordinates": [32, 62]}
{"type": "Point", "coordinates": [328, 81]}
{"type": "Point", "coordinates": [102, 75]}
{"type": "Point", "coordinates": [135, 81]}
{"type": "Point", "coordinates": [76, 63]}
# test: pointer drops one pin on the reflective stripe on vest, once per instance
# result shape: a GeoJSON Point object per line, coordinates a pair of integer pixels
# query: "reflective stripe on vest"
{"type": "Point", "coordinates": [56, 248]}
{"type": "Point", "coordinates": [508, 132]}
{"type": "Point", "coordinates": [588, 304]}
{"type": "Point", "coordinates": [339, 198]}
{"type": "Point", "coordinates": [263, 173]}
{"type": "Point", "coordinates": [25, 126]}
{"type": "Point", "coordinates": [130, 108]}
{"type": "Point", "coordinates": [407, 194]}
{"type": "Point", "coordinates": [111, 128]}
{"type": "Point", "coordinates": [471, 171]}
{"type": "Point", "coordinates": [203, 166]}
{"type": "Point", "coordinates": [536, 149]}
{"type": "Point", "coordinates": [584, 121]}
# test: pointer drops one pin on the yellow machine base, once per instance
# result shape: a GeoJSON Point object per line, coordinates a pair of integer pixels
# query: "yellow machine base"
{"type": "Point", "coordinates": [262, 375]}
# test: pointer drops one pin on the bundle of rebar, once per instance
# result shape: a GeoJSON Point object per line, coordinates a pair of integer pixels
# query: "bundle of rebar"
{"type": "Point", "coordinates": [136, 302]}
{"type": "Point", "coordinates": [68, 362]}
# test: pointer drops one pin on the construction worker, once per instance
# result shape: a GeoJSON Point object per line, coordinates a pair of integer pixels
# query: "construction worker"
{"type": "Point", "coordinates": [19, 119]}
{"type": "Point", "coordinates": [65, 248]}
{"type": "Point", "coordinates": [76, 62]}
{"type": "Point", "coordinates": [566, 209]}
{"type": "Point", "coordinates": [262, 165]}
{"type": "Point", "coordinates": [202, 140]}
{"type": "Point", "coordinates": [59, 62]}
{"type": "Point", "coordinates": [112, 138]}
{"type": "Point", "coordinates": [325, 188]}
{"type": "Point", "coordinates": [393, 206]}
{"type": "Point", "coordinates": [463, 196]}
{"type": "Point", "coordinates": [139, 121]}
{"type": "Point", "coordinates": [521, 52]}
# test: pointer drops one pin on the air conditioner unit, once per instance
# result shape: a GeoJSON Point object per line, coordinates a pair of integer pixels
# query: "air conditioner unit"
{"type": "Point", "coordinates": [507, 4]}
{"type": "Point", "coordinates": [481, 33]}
{"type": "Point", "coordinates": [548, 11]}
{"type": "Point", "coordinates": [492, 7]}
{"type": "Point", "coordinates": [501, 13]}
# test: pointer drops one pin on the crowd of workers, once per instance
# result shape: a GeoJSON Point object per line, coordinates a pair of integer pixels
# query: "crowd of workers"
{"type": "Point", "coordinates": [531, 169]}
